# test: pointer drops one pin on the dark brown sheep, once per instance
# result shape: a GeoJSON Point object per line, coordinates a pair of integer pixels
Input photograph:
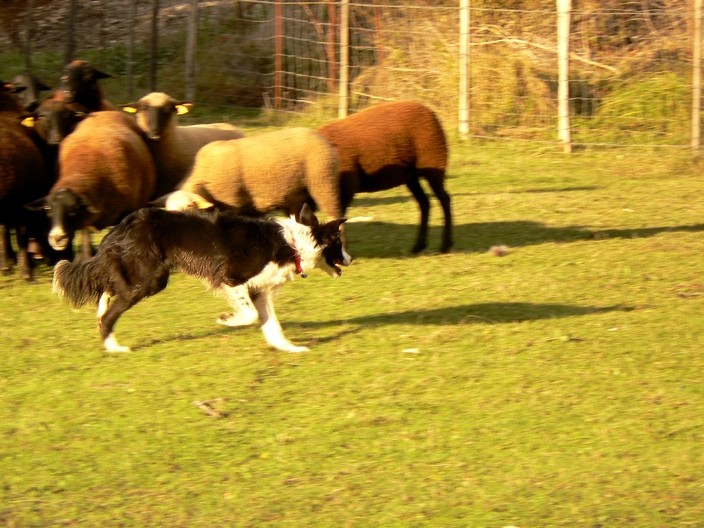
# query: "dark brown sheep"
{"type": "Point", "coordinates": [54, 118]}
{"type": "Point", "coordinates": [79, 84]}
{"type": "Point", "coordinates": [105, 172]}
{"type": "Point", "coordinates": [390, 145]}
{"type": "Point", "coordinates": [23, 178]}
{"type": "Point", "coordinates": [30, 96]}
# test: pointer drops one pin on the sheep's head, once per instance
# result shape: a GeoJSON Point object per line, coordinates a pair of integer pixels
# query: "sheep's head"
{"type": "Point", "coordinates": [68, 211]}
{"type": "Point", "coordinates": [30, 95]}
{"type": "Point", "coordinates": [156, 112]}
{"type": "Point", "coordinates": [54, 120]}
{"type": "Point", "coordinates": [79, 82]}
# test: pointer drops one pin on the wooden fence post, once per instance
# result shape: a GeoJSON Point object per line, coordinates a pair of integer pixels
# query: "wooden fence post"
{"type": "Point", "coordinates": [154, 46]}
{"type": "Point", "coordinates": [564, 133]}
{"type": "Point", "coordinates": [191, 49]}
{"type": "Point", "coordinates": [697, 77]}
{"type": "Point", "coordinates": [344, 89]}
{"type": "Point", "coordinates": [278, 52]}
{"type": "Point", "coordinates": [464, 69]}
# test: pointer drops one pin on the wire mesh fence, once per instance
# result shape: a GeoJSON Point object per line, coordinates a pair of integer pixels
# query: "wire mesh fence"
{"type": "Point", "coordinates": [630, 79]}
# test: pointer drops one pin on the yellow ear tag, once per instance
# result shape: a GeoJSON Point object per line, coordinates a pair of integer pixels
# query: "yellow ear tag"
{"type": "Point", "coordinates": [29, 122]}
{"type": "Point", "coordinates": [130, 109]}
{"type": "Point", "coordinates": [182, 108]}
{"type": "Point", "coordinates": [203, 204]}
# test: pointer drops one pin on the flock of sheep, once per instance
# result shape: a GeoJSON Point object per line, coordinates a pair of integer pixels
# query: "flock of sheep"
{"type": "Point", "coordinates": [88, 163]}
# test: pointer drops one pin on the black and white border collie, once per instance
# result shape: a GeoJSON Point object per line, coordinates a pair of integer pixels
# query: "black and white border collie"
{"type": "Point", "coordinates": [247, 259]}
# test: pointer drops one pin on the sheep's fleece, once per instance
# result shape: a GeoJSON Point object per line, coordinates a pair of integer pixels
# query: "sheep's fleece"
{"type": "Point", "coordinates": [277, 170]}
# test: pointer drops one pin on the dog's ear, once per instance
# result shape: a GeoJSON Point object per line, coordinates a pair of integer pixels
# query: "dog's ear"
{"type": "Point", "coordinates": [307, 217]}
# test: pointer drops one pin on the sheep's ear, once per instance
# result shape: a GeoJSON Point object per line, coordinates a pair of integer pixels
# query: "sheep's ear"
{"type": "Point", "coordinates": [130, 108]}
{"type": "Point", "coordinates": [41, 86]}
{"type": "Point", "coordinates": [307, 217]}
{"type": "Point", "coordinates": [37, 205]}
{"type": "Point", "coordinates": [101, 75]}
{"type": "Point", "coordinates": [183, 108]}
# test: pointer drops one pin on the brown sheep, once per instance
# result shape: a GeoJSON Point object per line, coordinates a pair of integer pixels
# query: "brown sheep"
{"type": "Point", "coordinates": [390, 145]}
{"type": "Point", "coordinates": [105, 172]}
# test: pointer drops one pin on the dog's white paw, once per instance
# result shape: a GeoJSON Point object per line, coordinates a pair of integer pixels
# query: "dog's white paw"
{"type": "Point", "coordinates": [245, 318]}
{"type": "Point", "coordinates": [111, 345]}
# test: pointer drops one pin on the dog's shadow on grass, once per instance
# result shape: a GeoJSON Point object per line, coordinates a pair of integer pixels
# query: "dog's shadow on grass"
{"type": "Point", "coordinates": [481, 313]}
{"type": "Point", "coordinates": [218, 331]}
{"type": "Point", "coordinates": [390, 240]}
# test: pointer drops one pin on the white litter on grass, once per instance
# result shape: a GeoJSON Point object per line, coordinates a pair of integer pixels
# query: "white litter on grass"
{"type": "Point", "coordinates": [499, 251]}
{"type": "Point", "coordinates": [411, 351]}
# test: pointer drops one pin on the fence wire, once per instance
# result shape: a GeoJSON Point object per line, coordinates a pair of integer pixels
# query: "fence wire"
{"type": "Point", "coordinates": [630, 63]}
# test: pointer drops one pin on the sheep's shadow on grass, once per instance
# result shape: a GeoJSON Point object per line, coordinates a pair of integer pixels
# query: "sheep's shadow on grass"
{"type": "Point", "coordinates": [390, 240]}
{"type": "Point", "coordinates": [373, 200]}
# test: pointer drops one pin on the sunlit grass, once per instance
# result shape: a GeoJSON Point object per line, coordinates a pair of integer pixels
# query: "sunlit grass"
{"type": "Point", "coordinates": [559, 385]}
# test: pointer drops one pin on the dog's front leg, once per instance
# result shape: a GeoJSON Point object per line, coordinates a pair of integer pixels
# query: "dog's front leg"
{"type": "Point", "coordinates": [244, 312]}
{"type": "Point", "coordinates": [271, 328]}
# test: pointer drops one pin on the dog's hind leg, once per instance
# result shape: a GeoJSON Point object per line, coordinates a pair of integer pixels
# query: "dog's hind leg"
{"type": "Point", "coordinates": [103, 304]}
{"type": "Point", "coordinates": [271, 328]}
{"type": "Point", "coordinates": [110, 342]}
{"type": "Point", "coordinates": [244, 312]}
{"type": "Point", "coordinates": [111, 311]}
{"type": "Point", "coordinates": [113, 304]}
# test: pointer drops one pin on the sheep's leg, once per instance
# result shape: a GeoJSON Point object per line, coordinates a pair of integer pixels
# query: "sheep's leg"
{"type": "Point", "coordinates": [7, 254]}
{"type": "Point", "coordinates": [414, 186]}
{"type": "Point", "coordinates": [87, 250]}
{"type": "Point", "coordinates": [271, 328]}
{"type": "Point", "coordinates": [244, 311]}
{"type": "Point", "coordinates": [436, 184]}
{"type": "Point", "coordinates": [23, 260]}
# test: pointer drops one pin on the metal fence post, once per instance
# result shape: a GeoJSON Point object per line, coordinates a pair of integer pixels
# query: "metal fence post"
{"type": "Point", "coordinates": [697, 76]}
{"type": "Point", "coordinates": [564, 133]}
{"type": "Point", "coordinates": [464, 69]}
{"type": "Point", "coordinates": [343, 89]}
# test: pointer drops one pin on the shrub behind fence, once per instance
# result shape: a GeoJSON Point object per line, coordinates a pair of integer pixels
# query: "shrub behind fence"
{"type": "Point", "coordinates": [630, 62]}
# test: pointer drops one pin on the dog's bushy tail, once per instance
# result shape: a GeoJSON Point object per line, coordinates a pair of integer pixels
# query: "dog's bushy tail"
{"type": "Point", "coordinates": [79, 282]}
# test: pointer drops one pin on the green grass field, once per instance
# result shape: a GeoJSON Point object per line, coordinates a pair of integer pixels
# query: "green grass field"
{"type": "Point", "coordinates": [559, 385]}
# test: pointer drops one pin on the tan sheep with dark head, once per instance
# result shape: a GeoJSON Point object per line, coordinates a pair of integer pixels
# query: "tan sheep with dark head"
{"type": "Point", "coordinates": [279, 170]}
{"type": "Point", "coordinates": [174, 147]}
